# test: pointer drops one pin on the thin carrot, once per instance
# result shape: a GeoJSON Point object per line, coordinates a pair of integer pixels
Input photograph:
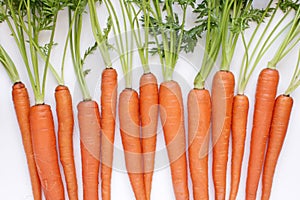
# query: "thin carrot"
{"type": "Point", "coordinates": [281, 116]}
{"type": "Point", "coordinates": [64, 110]}
{"type": "Point", "coordinates": [45, 153]}
{"type": "Point", "coordinates": [222, 99]}
{"type": "Point", "coordinates": [264, 102]}
{"type": "Point", "coordinates": [22, 108]}
{"type": "Point", "coordinates": [130, 133]}
{"type": "Point", "coordinates": [239, 129]}
{"type": "Point", "coordinates": [149, 119]}
{"type": "Point", "coordinates": [108, 115]}
{"type": "Point", "coordinates": [199, 116]}
{"type": "Point", "coordinates": [89, 126]}
{"type": "Point", "coordinates": [172, 118]}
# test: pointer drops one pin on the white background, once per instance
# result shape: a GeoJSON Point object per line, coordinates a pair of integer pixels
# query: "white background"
{"type": "Point", "coordinates": [14, 178]}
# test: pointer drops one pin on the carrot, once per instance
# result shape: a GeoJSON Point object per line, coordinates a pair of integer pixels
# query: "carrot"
{"type": "Point", "coordinates": [222, 99]}
{"type": "Point", "coordinates": [130, 133]}
{"type": "Point", "coordinates": [239, 129]}
{"type": "Point", "coordinates": [281, 116]}
{"type": "Point", "coordinates": [149, 117]}
{"type": "Point", "coordinates": [89, 126]}
{"type": "Point", "coordinates": [172, 116]}
{"type": "Point", "coordinates": [22, 108]}
{"type": "Point", "coordinates": [45, 153]}
{"type": "Point", "coordinates": [264, 102]}
{"type": "Point", "coordinates": [64, 110]}
{"type": "Point", "coordinates": [108, 115]}
{"type": "Point", "coordinates": [199, 115]}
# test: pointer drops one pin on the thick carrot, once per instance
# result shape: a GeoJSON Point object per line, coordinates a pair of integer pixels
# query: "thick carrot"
{"type": "Point", "coordinates": [172, 119]}
{"type": "Point", "coordinates": [264, 102]}
{"type": "Point", "coordinates": [22, 108]}
{"type": "Point", "coordinates": [222, 99]}
{"type": "Point", "coordinates": [239, 130]}
{"type": "Point", "coordinates": [149, 118]}
{"type": "Point", "coordinates": [89, 126]}
{"type": "Point", "coordinates": [130, 133]}
{"type": "Point", "coordinates": [64, 110]}
{"type": "Point", "coordinates": [108, 115]}
{"type": "Point", "coordinates": [281, 116]}
{"type": "Point", "coordinates": [45, 153]}
{"type": "Point", "coordinates": [199, 116]}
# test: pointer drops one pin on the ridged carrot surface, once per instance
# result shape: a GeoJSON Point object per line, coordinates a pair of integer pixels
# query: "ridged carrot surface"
{"type": "Point", "coordinates": [45, 153]}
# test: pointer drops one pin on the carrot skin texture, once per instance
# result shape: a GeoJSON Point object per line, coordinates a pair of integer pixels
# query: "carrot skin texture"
{"type": "Point", "coordinates": [222, 99]}
{"type": "Point", "coordinates": [199, 116]}
{"type": "Point", "coordinates": [89, 126]}
{"type": "Point", "coordinates": [264, 102]}
{"type": "Point", "coordinates": [22, 109]}
{"type": "Point", "coordinates": [130, 134]}
{"type": "Point", "coordinates": [45, 153]}
{"type": "Point", "coordinates": [239, 129]}
{"type": "Point", "coordinates": [149, 120]}
{"type": "Point", "coordinates": [108, 117]}
{"type": "Point", "coordinates": [172, 119]}
{"type": "Point", "coordinates": [281, 116]}
{"type": "Point", "coordinates": [65, 117]}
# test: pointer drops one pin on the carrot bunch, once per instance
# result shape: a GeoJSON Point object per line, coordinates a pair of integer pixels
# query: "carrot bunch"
{"type": "Point", "coordinates": [173, 39]}
{"type": "Point", "coordinates": [26, 18]}
{"type": "Point", "coordinates": [264, 103]}
{"type": "Point", "coordinates": [199, 102]}
{"type": "Point", "coordinates": [129, 116]}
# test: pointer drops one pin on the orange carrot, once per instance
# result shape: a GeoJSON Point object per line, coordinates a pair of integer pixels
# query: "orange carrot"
{"type": "Point", "coordinates": [64, 110]}
{"type": "Point", "coordinates": [264, 102]}
{"type": "Point", "coordinates": [149, 118]}
{"type": "Point", "coordinates": [89, 126]}
{"type": "Point", "coordinates": [239, 127]}
{"type": "Point", "coordinates": [199, 115]}
{"type": "Point", "coordinates": [172, 119]}
{"type": "Point", "coordinates": [108, 115]}
{"type": "Point", "coordinates": [130, 133]}
{"type": "Point", "coordinates": [222, 99]}
{"type": "Point", "coordinates": [281, 116]}
{"type": "Point", "coordinates": [45, 153]}
{"type": "Point", "coordinates": [22, 108]}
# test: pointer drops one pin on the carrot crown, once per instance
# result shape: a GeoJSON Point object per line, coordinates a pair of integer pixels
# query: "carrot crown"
{"type": "Point", "coordinates": [30, 18]}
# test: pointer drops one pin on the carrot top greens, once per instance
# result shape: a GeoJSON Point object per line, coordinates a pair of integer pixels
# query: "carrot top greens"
{"type": "Point", "coordinates": [265, 41]}
{"type": "Point", "coordinates": [26, 20]}
{"type": "Point", "coordinates": [9, 65]}
{"type": "Point", "coordinates": [100, 34]}
{"type": "Point", "coordinates": [295, 82]}
{"type": "Point", "coordinates": [166, 25]}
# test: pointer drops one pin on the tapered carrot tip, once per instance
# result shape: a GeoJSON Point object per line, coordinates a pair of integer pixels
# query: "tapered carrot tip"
{"type": "Point", "coordinates": [199, 116]}
{"type": "Point", "coordinates": [44, 147]}
{"type": "Point", "coordinates": [172, 119]}
{"type": "Point", "coordinates": [239, 127]}
{"type": "Point", "coordinates": [22, 109]}
{"type": "Point", "coordinates": [281, 116]}
{"type": "Point", "coordinates": [266, 90]}
{"type": "Point", "coordinates": [89, 126]}
{"type": "Point", "coordinates": [149, 120]}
